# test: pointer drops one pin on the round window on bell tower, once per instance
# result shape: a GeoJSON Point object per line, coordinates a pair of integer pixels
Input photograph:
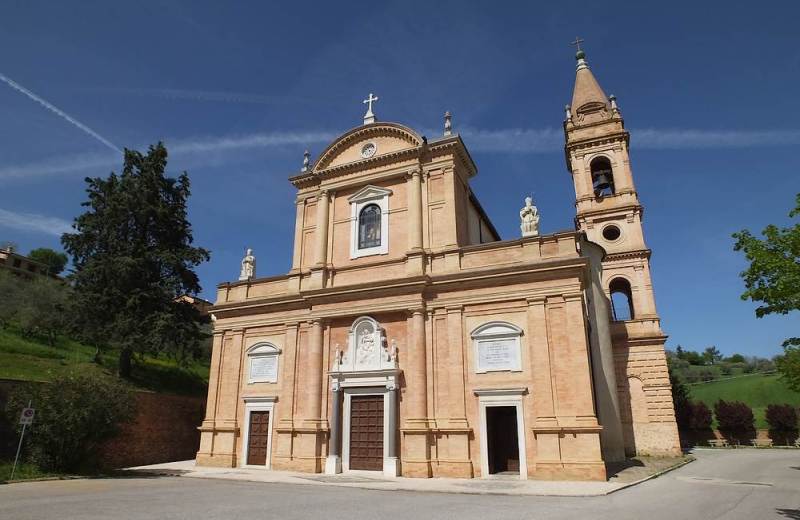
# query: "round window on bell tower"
{"type": "Point", "coordinates": [611, 233]}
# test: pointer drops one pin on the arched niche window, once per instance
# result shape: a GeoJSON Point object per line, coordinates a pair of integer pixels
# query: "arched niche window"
{"type": "Point", "coordinates": [369, 233]}
{"type": "Point", "coordinates": [602, 177]}
{"type": "Point", "coordinates": [262, 363]}
{"type": "Point", "coordinates": [497, 347]}
{"type": "Point", "coordinates": [621, 299]}
{"type": "Point", "coordinates": [369, 227]}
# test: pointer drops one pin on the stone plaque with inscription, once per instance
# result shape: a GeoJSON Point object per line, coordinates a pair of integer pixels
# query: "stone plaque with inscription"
{"type": "Point", "coordinates": [264, 369]}
{"type": "Point", "coordinates": [498, 354]}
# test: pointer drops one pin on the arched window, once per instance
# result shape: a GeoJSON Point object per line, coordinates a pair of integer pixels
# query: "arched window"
{"type": "Point", "coordinates": [369, 227]}
{"type": "Point", "coordinates": [602, 177]}
{"type": "Point", "coordinates": [621, 299]}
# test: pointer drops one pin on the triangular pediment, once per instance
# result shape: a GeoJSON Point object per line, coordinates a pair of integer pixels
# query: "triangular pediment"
{"type": "Point", "coordinates": [369, 192]}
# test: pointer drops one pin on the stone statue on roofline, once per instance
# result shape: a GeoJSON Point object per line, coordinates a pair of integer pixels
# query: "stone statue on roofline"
{"type": "Point", "coordinates": [529, 217]}
{"type": "Point", "coordinates": [248, 266]}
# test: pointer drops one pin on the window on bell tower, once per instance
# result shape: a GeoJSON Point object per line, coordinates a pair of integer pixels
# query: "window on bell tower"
{"type": "Point", "coordinates": [369, 227]}
{"type": "Point", "coordinates": [621, 299]}
{"type": "Point", "coordinates": [602, 177]}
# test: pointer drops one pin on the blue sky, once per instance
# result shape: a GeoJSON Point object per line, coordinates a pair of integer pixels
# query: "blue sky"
{"type": "Point", "coordinates": [238, 90]}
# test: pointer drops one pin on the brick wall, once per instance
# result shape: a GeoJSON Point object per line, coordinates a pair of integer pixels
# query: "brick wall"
{"type": "Point", "coordinates": [164, 430]}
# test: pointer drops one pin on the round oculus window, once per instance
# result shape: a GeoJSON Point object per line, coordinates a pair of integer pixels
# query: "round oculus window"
{"type": "Point", "coordinates": [611, 233]}
{"type": "Point", "coordinates": [368, 150]}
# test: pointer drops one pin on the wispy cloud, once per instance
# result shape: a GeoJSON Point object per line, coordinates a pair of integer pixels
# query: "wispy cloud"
{"type": "Point", "coordinates": [97, 164]}
{"type": "Point", "coordinates": [677, 139]}
{"type": "Point", "coordinates": [199, 95]}
{"type": "Point", "coordinates": [60, 113]}
{"type": "Point", "coordinates": [514, 140]}
{"type": "Point", "coordinates": [525, 140]}
{"type": "Point", "coordinates": [34, 223]}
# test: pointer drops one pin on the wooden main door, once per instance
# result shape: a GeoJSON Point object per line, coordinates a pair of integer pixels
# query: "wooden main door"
{"type": "Point", "coordinates": [366, 432]}
{"type": "Point", "coordinates": [257, 438]}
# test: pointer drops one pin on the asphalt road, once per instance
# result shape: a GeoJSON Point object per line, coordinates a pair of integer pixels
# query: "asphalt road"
{"type": "Point", "coordinates": [748, 484]}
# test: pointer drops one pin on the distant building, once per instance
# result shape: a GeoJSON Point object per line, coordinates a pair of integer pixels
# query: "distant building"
{"type": "Point", "coordinates": [20, 264]}
{"type": "Point", "coordinates": [203, 306]}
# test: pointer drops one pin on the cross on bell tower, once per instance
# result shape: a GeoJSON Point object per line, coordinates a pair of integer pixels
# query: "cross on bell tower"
{"type": "Point", "coordinates": [369, 117]}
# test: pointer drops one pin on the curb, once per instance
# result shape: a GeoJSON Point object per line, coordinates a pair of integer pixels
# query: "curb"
{"type": "Point", "coordinates": [689, 459]}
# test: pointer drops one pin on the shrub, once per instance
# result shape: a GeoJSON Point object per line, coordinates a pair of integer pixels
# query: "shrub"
{"type": "Point", "coordinates": [74, 414]}
{"type": "Point", "coordinates": [733, 416]}
{"type": "Point", "coordinates": [782, 417]}
{"type": "Point", "coordinates": [693, 416]}
{"type": "Point", "coordinates": [706, 375]}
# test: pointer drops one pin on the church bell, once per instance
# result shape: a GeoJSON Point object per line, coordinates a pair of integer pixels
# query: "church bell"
{"type": "Point", "coordinates": [602, 182]}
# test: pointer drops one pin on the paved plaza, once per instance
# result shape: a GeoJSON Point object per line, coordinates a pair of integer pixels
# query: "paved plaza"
{"type": "Point", "coordinates": [745, 483]}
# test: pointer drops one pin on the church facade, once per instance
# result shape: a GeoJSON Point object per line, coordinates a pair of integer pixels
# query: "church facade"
{"type": "Point", "coordinates": [409, 339]}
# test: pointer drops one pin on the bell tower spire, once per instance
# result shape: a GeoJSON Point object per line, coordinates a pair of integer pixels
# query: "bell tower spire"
{"type": "Point", "coordinates": [609, 212]}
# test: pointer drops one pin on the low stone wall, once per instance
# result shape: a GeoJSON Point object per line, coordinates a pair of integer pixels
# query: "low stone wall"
{"type": "Point", "coordinates": [164, 430]}
{"type": "Point", "coordinates": [700, 438]}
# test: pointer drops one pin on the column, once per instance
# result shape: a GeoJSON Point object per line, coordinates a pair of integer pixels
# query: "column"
{"type": "Point", "coordinates": [298, 233]}
{"type": "Point", "coordinates": [313, 378]}
{"type": "Point", "coordinates": [390, 459]}
{"type": "Point", "coordinates": [418, 408]}
{"type": "Point", "coordinates": [543, 384]}
{"type": "Point", "coordinates": [414, 187]}
{"type": "Point", "coordinates": [333, 464]}
{"type": "Point", "coordinates": [321, 233]}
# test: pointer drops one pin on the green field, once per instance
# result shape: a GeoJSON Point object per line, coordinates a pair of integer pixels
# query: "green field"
{"type": "Point", "coordinates": [27, 359]}
{"type": "Point", "coordinates": [756, 390]}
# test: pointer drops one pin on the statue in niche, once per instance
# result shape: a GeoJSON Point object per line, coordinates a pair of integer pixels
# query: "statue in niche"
{"type": "Point", "coordinates": [248, 266]}
{"type": "Point", "coordinates": [529, 217]}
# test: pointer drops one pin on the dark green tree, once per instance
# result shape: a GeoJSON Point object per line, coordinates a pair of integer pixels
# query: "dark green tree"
{"type": "Point", "coordinates": [54, 260]}
{"type": "Point", "coordinates": [773, 280]}
{"type": "Point", "coordinates": [133, 256]}
{"type": "Point", "coordinates": [711, 355]}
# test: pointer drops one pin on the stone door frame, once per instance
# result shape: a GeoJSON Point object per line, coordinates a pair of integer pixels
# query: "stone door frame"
{"type": "Point", "coordinates": [346, 419]}
{"type": "Point", "coordinates": [502, 397]}
{"type": "Point", "coordinates": [257, 404]}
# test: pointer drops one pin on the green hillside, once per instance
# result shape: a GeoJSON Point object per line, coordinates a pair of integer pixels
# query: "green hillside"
{"type": "Point", "coordinates": [756, 390]}
{"type": "Point", "coordinates": [27, 359]}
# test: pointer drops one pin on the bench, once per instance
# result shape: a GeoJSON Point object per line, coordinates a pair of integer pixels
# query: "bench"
{"type": "Point", "coordinates": [718, 443]}
{"type": "Point", "coordinates": [761, 443]}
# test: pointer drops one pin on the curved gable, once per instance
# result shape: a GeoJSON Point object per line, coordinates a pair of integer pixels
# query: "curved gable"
{"type": "Point", "coordinates": [387, 138]}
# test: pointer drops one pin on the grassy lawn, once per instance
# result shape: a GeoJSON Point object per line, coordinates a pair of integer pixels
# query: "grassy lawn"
{"type": "Point", "coordinates": [24, 471]}
{"type": "Point", "coordinates": [28, 359]}
{"type": "Point", "coordinates": [756, 390]}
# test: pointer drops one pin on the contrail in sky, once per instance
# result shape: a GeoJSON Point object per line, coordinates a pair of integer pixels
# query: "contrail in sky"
{"type": "Point", "coordinates": [16, 86]}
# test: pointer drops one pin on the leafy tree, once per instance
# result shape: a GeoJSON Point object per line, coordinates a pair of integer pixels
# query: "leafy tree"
{"type": "Point", "coordinates": [43, 308]}
{"type": "Point", "coordinates": [9, 301]}
{"type": "Point", "coordinates": [73, 415]}
{"type": "Point", "coordinates": [54, 260]}
{"type": "Point", "coordinates": [782, 417]}
{"type": "Point", "coordinates": [133, 256]}
{"type": "Point", "coordinates": [679, 353]}
{"type": "Point", "coordinates": [711, 355]}
{"type": "Point", "coordinates": [736, 358]}
{"type": "Point", "coordinates": [694, 358]}
{"type": "Point", "coordinates": [733, 416]}
{"type": "Point", "coordinates": [773, 279]}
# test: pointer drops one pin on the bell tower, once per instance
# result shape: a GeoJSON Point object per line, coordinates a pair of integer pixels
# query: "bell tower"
{"type": "Point", "coordinates": [609, 212]}
{"type": "Point", "coordinates": [608, 208]}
